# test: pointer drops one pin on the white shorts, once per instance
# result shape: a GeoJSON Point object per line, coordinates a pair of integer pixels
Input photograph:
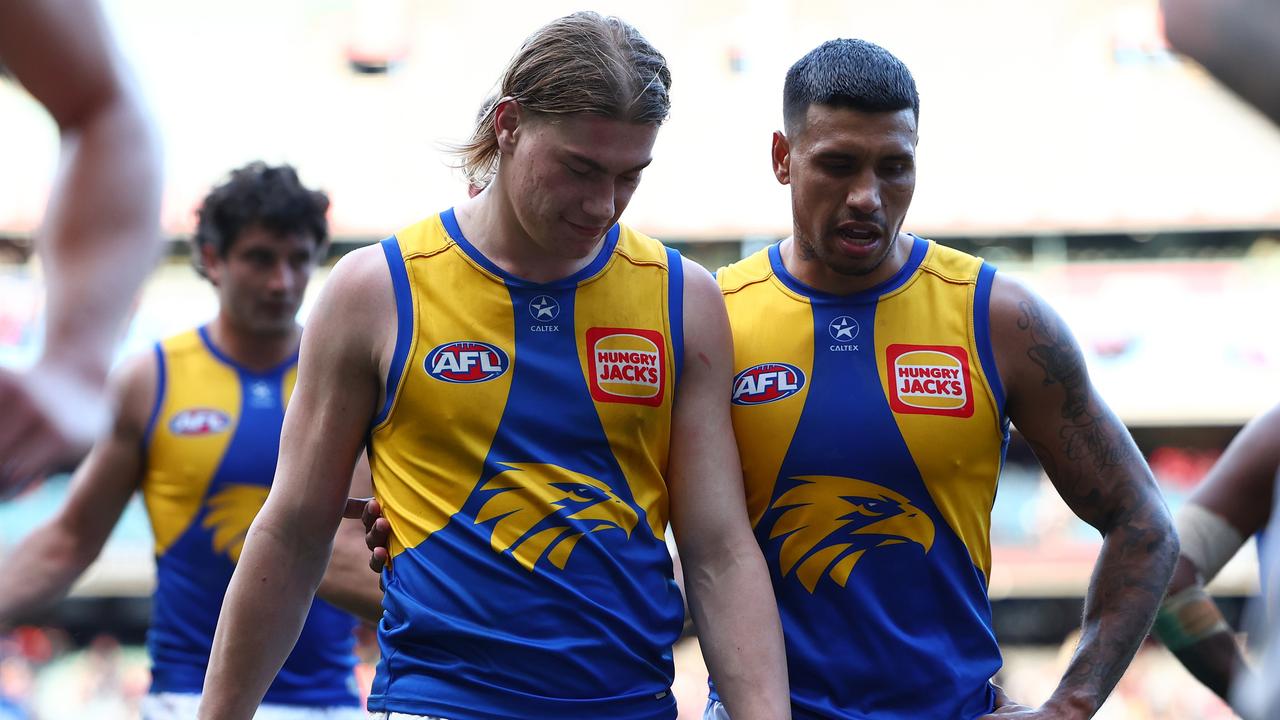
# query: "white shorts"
{"type": "Point", "coordinates": [400, 716]}
{"type": "Point", "coordinates": [715, 711]}
{"type": "Point", "coordinates": [183, 706]}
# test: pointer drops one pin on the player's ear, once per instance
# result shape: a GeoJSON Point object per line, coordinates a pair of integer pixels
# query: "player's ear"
{"type": "Point", "coordinates": [506, 124]}
{"type": "Point", "coordinates": [781, 157]}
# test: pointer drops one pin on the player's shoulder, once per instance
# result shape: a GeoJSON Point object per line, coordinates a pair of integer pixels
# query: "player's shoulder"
{"type": "Point", "coordinates": [948, 262]}
{"type": "Point", "coordinates": [751, 270]}
{"type": "Point", "coordinates": [640, 248]}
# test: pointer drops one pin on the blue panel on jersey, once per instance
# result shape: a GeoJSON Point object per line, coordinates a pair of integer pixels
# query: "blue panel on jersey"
{"type": "Point", "coordinates": [404, 322]}
{"type": "Point", "coordinates": [982, 332]}
{"type": "Point", "coordinates": [159, 402]}
{"type": "Point", "coordinates": [675, 295]}
{"type": "Point", "coordinates": [508, 633]}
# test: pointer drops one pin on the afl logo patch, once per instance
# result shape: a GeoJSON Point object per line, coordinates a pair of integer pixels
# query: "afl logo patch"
{"type": "Point", "coordinates": [626, 365]}
{"type": "Point", "coordinates": [199, 421]}
{"type": "Point", "coordinates": [929, 380]}
{"type": "Point", "coordinates": [466, 361]}
{"type": "Point", "coordinates": [766, 383]}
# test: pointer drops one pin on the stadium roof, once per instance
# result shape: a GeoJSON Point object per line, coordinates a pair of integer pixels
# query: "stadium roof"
{"type": "Point", "coordinates": [1054, 116]}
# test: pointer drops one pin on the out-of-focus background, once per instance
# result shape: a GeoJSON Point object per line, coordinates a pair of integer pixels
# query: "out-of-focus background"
{"type": "Point", "coordinates": [1060, 139]}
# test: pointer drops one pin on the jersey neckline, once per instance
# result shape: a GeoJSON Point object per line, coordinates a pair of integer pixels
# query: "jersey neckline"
{"type": "Point", "coordinates": [214, 350]}
{"type": "Point", "coordinates": [450, 222]}
{"type": "Point", "coordinates": [919, 247]}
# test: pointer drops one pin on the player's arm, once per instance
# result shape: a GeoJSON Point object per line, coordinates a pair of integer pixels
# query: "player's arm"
{"type": "Point", "coordinates": [347, 582]}
{"type": "Point", "coordinates": [100, 234]}
{"type": "Point", "coordinates": [726, 580]}
{"type": "Point", "coordinates": [1230, 504]}
{"type": "Point", "coordinates": [291, 540]}
{"type": "Point", "coordinates": [43, 566]}
{"type": "Point", "coordinates": [1093, 463]}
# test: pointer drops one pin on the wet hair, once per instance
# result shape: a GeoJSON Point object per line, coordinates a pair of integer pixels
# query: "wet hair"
{"type": "Point", "coordinates": [270, 197]}
{"type": "Point", "coordinates": [580, 63]}
{"type": "Point", "coordinates": [847, 73]}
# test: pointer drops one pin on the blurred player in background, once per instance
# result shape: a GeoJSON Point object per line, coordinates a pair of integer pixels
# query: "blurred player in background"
{"type": "Point", "coordinates": [1238, 41]}
{"type": "Point", "coordinates": [540, 388]}
{"type": "Point", "coordinates": [1232, 503]}
{"type": "Point", "coordinates": [196, 428]}
{"type": "Point", "coordinates": [99, 237]}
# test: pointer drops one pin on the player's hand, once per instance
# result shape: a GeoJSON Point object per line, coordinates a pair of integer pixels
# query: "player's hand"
{"type": "Point", "coordinates": [1014, 711]}
{"type": "Point", "coordinates": [377, 531]}
{"type": "Point", "coordinates": [49, 418]}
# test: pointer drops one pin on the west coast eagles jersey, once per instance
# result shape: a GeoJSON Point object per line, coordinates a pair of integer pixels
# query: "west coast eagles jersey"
{"type": "Point", "coordinates": [520, 460]}
{"type": "Point", "coordinates": [872, 432]}
{"type": "Point", "coordinates": [211, 448]}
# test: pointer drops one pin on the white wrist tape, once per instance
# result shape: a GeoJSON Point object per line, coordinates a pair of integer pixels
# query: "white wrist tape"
{"type": "Point", "coordinates": [1207, 539]}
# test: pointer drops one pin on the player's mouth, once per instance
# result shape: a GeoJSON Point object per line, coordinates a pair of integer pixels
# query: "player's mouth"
{"type": "Point", "coordinates": [586, 232]}
{"type": "Point", "coordinates": [858, 239]}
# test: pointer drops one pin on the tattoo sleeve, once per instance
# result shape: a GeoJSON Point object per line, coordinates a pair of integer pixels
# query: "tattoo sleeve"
{"type": "Point", "coordinates": [1091, 459]}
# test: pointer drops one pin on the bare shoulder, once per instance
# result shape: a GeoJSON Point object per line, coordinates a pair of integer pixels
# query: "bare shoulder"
{"type": "Point", "coordinates": [706, 330]}
{"type": "Point", "coordinates": [133, 387]}
{"type": "Point", "coordinates": [355, 315]}
{"type": "Point", "coordinates": [1032, 343]}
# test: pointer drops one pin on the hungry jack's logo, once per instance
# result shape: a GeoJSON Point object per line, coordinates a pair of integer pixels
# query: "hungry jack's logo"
{"type": "Point", "coordinates": [626, 365]}
{"type": "Point", "coordinates": [929, 380]}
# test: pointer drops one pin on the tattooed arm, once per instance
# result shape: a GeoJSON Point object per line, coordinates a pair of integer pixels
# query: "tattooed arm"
{"type": "Point", "coordinates": [1088, 454]}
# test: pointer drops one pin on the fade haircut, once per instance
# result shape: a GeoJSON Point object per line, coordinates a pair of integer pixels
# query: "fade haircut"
{"type": "Point", "coordinates": [271, 197]}
{"type": "Point", "coordinates": [581, 63]}
{"type": "Point", "coordinates": [847, 73]}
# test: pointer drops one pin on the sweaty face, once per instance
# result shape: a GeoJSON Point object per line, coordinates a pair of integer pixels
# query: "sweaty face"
{"type": "Point", "coordinates": [572, 176]}
{"type": "Point", "coordinates": [262, 279]}
{"type": "Point", "coordinates": [852, 175]}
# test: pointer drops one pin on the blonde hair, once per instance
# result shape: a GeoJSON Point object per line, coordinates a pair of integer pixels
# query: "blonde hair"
{"type": "Point", "coordinates": [580, 63]}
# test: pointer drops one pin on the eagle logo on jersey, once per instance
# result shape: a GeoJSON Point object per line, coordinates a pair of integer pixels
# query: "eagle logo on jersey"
{"type": "Point", "coordinates": [541, 511]}
{"type": "Point", "coordinates": [828, 523]}
{"type": "Point", "coordinates": [231, 512]}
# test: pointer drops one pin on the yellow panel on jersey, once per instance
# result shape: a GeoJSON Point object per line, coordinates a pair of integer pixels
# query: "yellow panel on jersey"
{"type": "Point", "coordinates": [520, 459]}
{"type": "Point", "coordinates": [761, 377]}
{"type": "Point", "coordinates": [933, 374]}
{"type": "Point", "coordinates": [198, 415]}
{"type": "Point", "coordinates": [625, 392]}
{"type": "Point", "coordinates": [443, 344]}
{"type": "Point", "coordinates": [870, 499]}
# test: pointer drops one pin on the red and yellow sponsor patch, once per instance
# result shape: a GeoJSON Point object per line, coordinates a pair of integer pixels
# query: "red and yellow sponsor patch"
{"type": "Point", "coordinates": [626, 365]}
{"type": "Point", "coordinates": [929, 380]}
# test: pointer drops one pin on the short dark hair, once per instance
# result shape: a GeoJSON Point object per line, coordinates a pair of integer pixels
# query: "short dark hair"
{"type": "Point", "coordinates": [848, 73]}
{"type": "Point", "coordinates": [271, 197]}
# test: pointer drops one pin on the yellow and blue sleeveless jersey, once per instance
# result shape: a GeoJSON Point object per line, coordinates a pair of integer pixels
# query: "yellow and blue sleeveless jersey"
{"type": "Point", "coordinates": [210, 447]}
{"type": "Point", "coordinates": [520, 461]}
{"type": "Point", "coordinates": [872, 432]}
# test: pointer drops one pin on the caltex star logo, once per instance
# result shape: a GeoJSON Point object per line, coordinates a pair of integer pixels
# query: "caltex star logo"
{"type": "Point", "coordinates": [844, 329]}
{"type": "Point", "coordinates": [544, 308]}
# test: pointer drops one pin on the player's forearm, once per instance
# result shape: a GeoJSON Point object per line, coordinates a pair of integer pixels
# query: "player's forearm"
{"type": "Point", "coordinates": [732, 604]}
{"type": "Point", "coordinates": [40, 571]}
{"type": "Point", "coordinates": [1128, 584]}
{"type": "Point", "coordinates": [348, 582]}
{"type": "Point", "coordinates": [262, 615]}
{"type": "Point", "coordinates": [1190, 624]}
{"type": "Point", "coordinates": [100, 242]}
